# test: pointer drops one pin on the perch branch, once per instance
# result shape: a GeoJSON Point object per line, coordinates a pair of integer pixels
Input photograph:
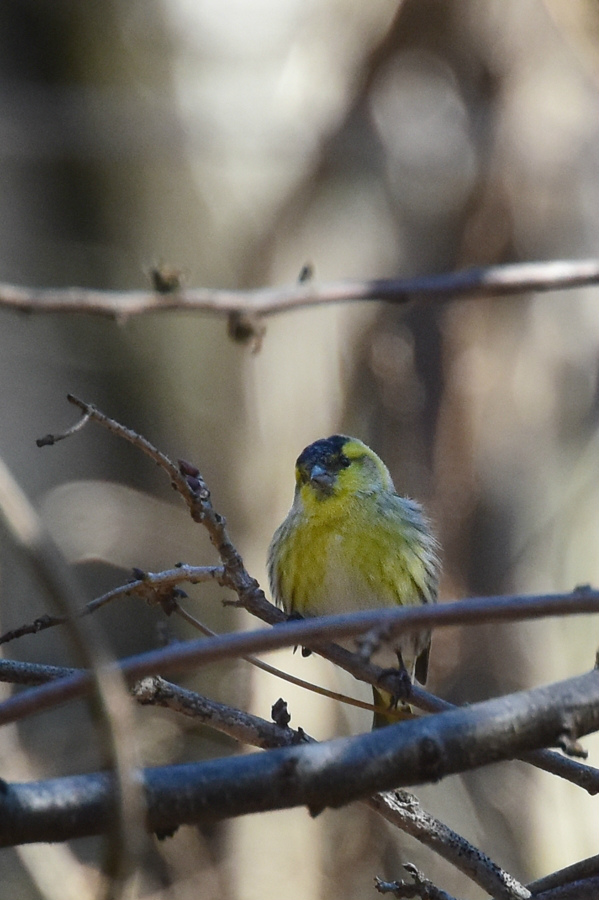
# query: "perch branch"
{"type": "Point", "coordinates": [193, 654]}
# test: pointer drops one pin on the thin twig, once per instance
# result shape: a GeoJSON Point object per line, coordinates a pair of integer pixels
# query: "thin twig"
{"type": "Point", "coordinates": [514, 278]}
{"type": "Point", "coordinates": [151, 586]}
{"type": "Point", "coordinates": [187, 480]}
{"type": "Point", "coordinates": [292, 679]}
{"type": "Point", "coordinates": [242, 726]}
{"type": "Point", "coordinates": [421, 887]}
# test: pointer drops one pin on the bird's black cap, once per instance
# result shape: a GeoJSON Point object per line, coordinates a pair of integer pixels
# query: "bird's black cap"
{"type": "Point", "coordinates": [327, 452]}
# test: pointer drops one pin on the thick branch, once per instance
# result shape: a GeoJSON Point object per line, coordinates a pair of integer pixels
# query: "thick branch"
{"type": "Point", "coordinates": [503, 280]}
{"type": "Point", "coordinates": [584, 776]}
{"type": "Point", "coordinates": [586, 868]}
{"type": "Point", "coordinates": [583, 889]}
{"type": "Point", "coordinates": [315, 775]}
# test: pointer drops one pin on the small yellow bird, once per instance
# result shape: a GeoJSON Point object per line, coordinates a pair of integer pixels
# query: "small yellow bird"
{"type": "Point", "coordinates": [351, 543]}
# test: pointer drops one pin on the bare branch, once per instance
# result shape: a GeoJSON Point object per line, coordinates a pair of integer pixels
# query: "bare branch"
{"type": "Point", "coordinates": [584, 776]}
{"type": "Point", "coordinates": [153, 587]}
{"type": "Point", "coordinates": [583, 889]}
{"type": "Point", "coordinates": [193, 654]}
{"type": "Point", "coordinates": [292, 679]}
{"type": "Point", "coordinates": [515, 278]}
{"type": "Point", "coordinates": [316, 775]}
{"type": "Point", "coordinates": [398, 807]}
{"type": "Point", "coordinates": [188, 481]}
{"type": "Point", "coordinates": [404, 811]}
{"type": "Point", "coordinates": [586, 868]}
{"type": "Point", "coordinates": [243, 727]}
{"type": "Point", "coordinates": [16, 672]}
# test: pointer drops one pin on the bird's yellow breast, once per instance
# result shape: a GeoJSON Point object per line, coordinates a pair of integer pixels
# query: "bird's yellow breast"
{"type": "Point", "coordinates": [351, 552]}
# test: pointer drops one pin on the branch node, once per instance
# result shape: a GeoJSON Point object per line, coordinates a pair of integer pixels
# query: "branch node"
{"type": "Point", "coordinates": [280, 713]}
{"type": "Point", "coordinates": [571, 746]}
{"type": "Point", "coordinates": [166, 279]}
{"type": "Point", "coordinates": [420, 887]}
{"type": "Point", "coordinates": [246, 328]}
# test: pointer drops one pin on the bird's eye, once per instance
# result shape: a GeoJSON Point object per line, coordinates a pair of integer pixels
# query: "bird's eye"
{"type": "Point", "coordinates": [344, 462]}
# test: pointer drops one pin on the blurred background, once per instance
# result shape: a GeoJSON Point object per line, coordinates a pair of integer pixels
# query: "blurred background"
{"type": "Point", "coordinates": [237, 142]}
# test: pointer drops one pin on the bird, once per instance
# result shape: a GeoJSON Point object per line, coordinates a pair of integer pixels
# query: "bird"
{"type": "Point", "coordinates": [350, 542]}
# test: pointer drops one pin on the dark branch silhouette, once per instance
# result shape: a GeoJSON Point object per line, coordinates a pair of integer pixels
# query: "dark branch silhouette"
{"type": "Point", "coordinates": [330, 774]}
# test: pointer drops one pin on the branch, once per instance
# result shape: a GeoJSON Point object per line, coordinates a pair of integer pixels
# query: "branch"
{"type": "Point", "coordinates": [401, 809]}
{"type": "Point", "coordinates": [583, 889]}
{"type": "Point", "coordinates": [323, 775]}
{"type": "Point", "coordinates": [490, 281]}
{"type": "Point", "coordinates": [193, 654]}
{"type": "Point", "coordinates": [189, 483]}
{"type": "Point", "coordinates": [586, 868]}
{"type": "Point", "coordinates": [242, 726]}
{"type": "Point", "coordinates": [404, 811]}
{"type": "Point", "coordinates": [584, 776]}
{"type": "Point", "coordinates": [421, 887]}
{"type": "Point", "coordinates": [153, 587]}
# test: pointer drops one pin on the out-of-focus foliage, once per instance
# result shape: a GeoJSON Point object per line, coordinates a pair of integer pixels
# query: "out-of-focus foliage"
{"type": "Point", "coordinates": [237, 141]}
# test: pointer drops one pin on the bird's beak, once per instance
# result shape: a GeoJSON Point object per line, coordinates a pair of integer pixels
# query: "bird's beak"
{"type": "Point", "coordinates": [322, 479]}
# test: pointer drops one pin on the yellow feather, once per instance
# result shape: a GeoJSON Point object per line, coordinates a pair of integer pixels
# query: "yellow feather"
{"type": "Point", "coordinates": [351, 543]}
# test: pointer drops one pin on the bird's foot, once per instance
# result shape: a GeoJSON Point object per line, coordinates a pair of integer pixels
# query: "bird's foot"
{"type": "Point", "coordinates": [397, 683]}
